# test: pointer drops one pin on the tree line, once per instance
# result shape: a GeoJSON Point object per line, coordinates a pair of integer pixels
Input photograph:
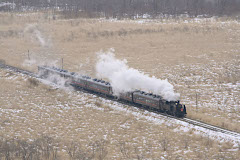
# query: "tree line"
{"type": "Point", "coordinates": [131, 8]}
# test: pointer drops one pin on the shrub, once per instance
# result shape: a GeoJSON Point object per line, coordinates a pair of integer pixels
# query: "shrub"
{"type": "Point", "coordinates": [33, 82]}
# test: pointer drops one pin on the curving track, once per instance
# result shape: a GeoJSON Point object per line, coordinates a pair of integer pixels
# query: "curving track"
{"type": "Point", "coordinates": [211, 127]}
{"type": "Point", "coordinates": [18, 70]}
{"type": "Point", "coordinates": [187, 120]}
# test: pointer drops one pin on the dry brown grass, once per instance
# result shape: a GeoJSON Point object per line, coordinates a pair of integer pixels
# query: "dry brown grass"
{"type": "Point", "coordinates": [220, 121]}
{"type": "Point", "coordinates": [27, 113]}
{"type": "Point", "coordinates": [169, 44]}
{"type": "Point", "coordinates": [173, 50]}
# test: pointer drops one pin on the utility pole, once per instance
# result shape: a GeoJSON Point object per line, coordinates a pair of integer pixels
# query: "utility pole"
{"type": "Point", "coordinates": [28, 55]}
{"type": "Point", "coordinates": [56, 4]}
{"type": "Point", "coordinates": [62, 63]}
{"type": "Point", "coordinates": [13, 8]}
{"type": "Point", "coordinates": [196, 102]}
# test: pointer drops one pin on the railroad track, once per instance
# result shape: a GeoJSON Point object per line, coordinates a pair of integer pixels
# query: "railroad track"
{"type": "Point", "coordinates": [18, 70]}
{"type": "Point", "coordinates": [211, 127]}
{"type": "Point", "coordinates": [187, 120]}
{"type": "Point", "coordinates": [203, 125]}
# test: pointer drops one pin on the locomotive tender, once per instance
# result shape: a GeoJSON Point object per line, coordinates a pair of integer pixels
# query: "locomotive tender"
{"type": "Point", "coordinates": [138, 97]}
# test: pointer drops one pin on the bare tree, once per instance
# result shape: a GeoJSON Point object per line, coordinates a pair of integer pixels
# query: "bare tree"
{"type": "Point", "coordinates": [72, 149]}
{"type": "Point", "coordinates": [164, 141]}
{"type": "Point", "coordinates": [101, 149]}
{"type": "Point", "coordinates": [125, 150]}
{"type": "Point", "coordinates": [129, 8]}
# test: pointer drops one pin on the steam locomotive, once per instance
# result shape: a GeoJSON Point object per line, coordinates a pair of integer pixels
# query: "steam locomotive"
{"type": "Point", "coordinates": [104, 88]}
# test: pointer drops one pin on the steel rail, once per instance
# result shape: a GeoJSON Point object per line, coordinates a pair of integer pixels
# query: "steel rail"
{"type": "Point", "coordinates": [19, 70]}
{"type": "Point", "coordinates": [211, 127]}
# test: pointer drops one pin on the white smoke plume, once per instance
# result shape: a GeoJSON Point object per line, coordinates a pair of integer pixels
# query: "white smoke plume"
{"type": "Point", "coordinates": [60, 81]}
{"type": "Point", "coordinates": [29, 62]}
{"type": "Point", "coordinates": [57, 80]}
{"type": "Point", "coordinates": [34, 33]}
{"type": "Point", "coordinates": [37, 35]}
{"type": "Point", "coordinates": [124, 79]}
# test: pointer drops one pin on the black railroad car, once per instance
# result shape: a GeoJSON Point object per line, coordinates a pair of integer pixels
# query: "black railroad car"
{"type": "Point", "coordinates": [104, 88]}
{"type": "Point", "coordinates": [146, 99]}
{"type": "Point", "coordinates": [99, 86]}
{"type": "Point", "coordinates": [80, 82]}
{"type": "Point", "coordinates": [45, 71]}
{"type": "Point", "coordinates": [173, 108]}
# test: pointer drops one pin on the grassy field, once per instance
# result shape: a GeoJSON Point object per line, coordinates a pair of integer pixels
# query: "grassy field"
{"type": "Point", "coordinates": [70, 122]}
{"type": "Point", "coordinates": [196, 56]}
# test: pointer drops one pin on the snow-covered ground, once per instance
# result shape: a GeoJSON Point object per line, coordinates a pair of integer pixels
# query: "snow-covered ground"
{"type": "Point", "coordinates": [195, 55]}
{"type": "Point", "coordinates": [29, 113]}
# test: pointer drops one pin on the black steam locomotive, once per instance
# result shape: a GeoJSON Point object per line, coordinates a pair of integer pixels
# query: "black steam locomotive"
{"type": "Point", "coordinates": [104, 88]}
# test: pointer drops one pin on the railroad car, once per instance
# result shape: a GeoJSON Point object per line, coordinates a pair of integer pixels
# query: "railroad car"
{"type": "Point", "coordinates": [45, 71]}
{"type": "Point", "coordinates": [157, 102]}
{"type": "Point", "coordinates": [146, 99]}
{"type": "Point", "coordinates": [99, 86]}
{"type": "Point", "coordinates": [79, 82]}
{"type": "Point", "coordinates": [104, 88]}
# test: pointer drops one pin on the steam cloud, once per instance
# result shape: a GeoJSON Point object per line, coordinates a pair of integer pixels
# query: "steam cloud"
{"type": "Point", "coordinates": [124, 79]}
{"type": "Point", "coordinates": [37, 35]}
{"type": "Point", "coordinates": [58, 81]}
{"type": "Point", "coordinates": [32, 32]}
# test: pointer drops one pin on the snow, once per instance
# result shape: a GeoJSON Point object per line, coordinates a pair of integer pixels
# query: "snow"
{"type": "Point", "coordinates": [182, 126]}
{"type": "Point", "coordinates": [139, 114]}
{"type": "Point", "coordinates": [12, 5]}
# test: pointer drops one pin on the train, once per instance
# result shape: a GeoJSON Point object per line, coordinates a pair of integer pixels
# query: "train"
{"type": "Point", "coordinates": [104, 88]}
